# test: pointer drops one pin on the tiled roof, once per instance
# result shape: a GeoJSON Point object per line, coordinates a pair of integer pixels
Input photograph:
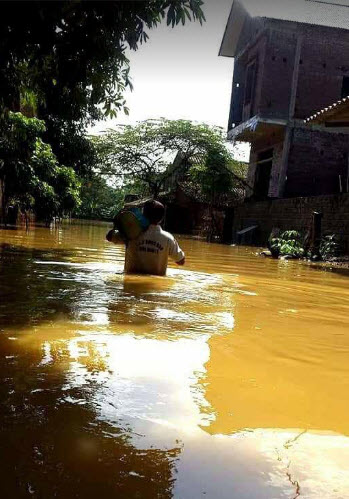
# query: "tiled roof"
{"type": "Point", "coordinates": [329, 111]}
{"type": "Point", "coordinates": [333, 13]}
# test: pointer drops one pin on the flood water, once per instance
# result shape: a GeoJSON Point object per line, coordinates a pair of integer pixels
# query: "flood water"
{"type": "Point", "coordinates": [227, 379]}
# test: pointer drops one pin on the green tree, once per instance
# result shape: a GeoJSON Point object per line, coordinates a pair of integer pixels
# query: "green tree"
{"type": "Point", "coordinates": [99, 200]}
{"type": "Point", "coordinates": [65, 62]}
{"type": "Point", "coordinates": [217, 178]}
{"type": "Point", "coordinates": [213, 175]}
{"type": "Point", "coordinates": [30, 175]}
{"type": "Point", "coordinates": [146, 152]}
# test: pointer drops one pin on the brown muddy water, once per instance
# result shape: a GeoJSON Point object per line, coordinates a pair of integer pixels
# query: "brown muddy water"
{"type": "Point", "coordinates": [227, 379]}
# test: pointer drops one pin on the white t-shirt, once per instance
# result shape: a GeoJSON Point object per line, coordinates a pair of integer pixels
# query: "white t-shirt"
{"type": "Point", "coordinates": [148, 254]}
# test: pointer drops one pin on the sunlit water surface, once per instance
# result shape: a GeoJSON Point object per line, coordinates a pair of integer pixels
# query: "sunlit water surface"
{"type": "Point", "coordinates": [228, 378]}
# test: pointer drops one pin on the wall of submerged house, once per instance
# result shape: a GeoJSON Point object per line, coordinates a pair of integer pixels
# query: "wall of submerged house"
{"type": "Point", "coordinates": [278, 70]}
{"type": "Point", "coordinates": [1, 203]}
{"type": "Point", "coordinates": [307, 63]}
{"type": "Point", "coordinates": [294, 214]}
{"type": "Point", "coordinates": [317, 163]}
{"type": "Point", "coordinates": [187, 216]}
{"type": "Point", "coordinates": [264, 171]}
{"type": "Point", "coordinates": [286, 71]}
{"type": "Point", "coordinates": [248, 71]}
{"type": "Point", "coordinates": [284, 61]}
{"type": "Point", "coordinates": [323, 68]}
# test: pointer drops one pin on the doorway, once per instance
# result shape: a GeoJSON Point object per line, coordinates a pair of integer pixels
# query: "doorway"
{"type": "Point", "coordinates": [263, 174]}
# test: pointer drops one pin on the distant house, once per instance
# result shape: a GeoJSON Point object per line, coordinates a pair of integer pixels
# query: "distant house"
{"type": "Point", "coordinates": [185, 214]}
{"type": "Point", "coordinates": [290, 58]}
{"type": "Point", "coordinates": [191, 212]}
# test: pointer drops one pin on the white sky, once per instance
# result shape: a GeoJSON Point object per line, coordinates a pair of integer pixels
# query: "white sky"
{"type": "Point", "coordinates": [178, 74]}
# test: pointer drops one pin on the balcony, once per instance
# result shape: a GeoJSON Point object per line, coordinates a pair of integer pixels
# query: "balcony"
{"type": "Point", "coordinates": [257, 127]}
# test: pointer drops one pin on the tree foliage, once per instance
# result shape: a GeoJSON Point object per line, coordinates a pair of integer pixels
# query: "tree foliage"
{"type": "Point", "coordinates": [213, 175]}
{"type": "Point", "coordinates": [147, 151]}
{"type": "Point", "coordinates": [72, 54]}
{"type": "Point", "coordinates": [65, 62]}
{"type": "Point", "coordinates": [99, 200]}
{"type": "Point", "coordinates": [30, 174]}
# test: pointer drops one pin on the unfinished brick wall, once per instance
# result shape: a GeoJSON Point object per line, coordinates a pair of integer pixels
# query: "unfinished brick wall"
{"type": "Point", "coordinates": [324, 62]}
{"type": "Point", "coordinates": [316, 160]}
{"type": "Point", "coordinates": [295, 213]}
{"type": "Point", "coordinates": [314, 60]}
{"type": "Point", "coordinates": [278, 73]}
{"type": "Point", "coordinates": [255, 54]}
{"type": "Point", "coordinates": [275, 172]}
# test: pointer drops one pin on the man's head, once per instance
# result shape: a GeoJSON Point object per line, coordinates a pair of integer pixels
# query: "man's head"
{"type": "Point", "coordinates": [154, 211]}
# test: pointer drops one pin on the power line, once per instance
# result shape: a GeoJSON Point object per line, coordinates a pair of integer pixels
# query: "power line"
{"type": "Point", "coordinates": [328, 3]}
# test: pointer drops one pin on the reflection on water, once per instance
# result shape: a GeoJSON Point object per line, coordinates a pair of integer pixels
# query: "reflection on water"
{"type": "Point", "coordinates": [226, 379]}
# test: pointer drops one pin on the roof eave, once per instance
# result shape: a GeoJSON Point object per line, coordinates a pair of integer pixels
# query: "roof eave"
{"type": "Point", "coordinates": [233, 29]}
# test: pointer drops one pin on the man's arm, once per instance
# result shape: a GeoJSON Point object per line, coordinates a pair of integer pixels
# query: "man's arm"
{"type": "Point", "coordinates": [176, 253]}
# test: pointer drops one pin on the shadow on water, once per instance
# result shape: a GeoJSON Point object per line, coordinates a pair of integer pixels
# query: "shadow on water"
{"type": "Point", "coordinates": [29, 296]}
{"type": "Point", "coordinates": [53, 444]}
{"type": "Point", "coordinates": [35, 290]}
{"type": "Point", "coordinates": [342, 271]}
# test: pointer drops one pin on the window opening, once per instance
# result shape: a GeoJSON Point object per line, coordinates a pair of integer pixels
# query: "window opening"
{"type": "Point", "coordinates": [345, 87]}
{"type": "Point", "coordinates": [263, 174]}
{"type": "Point", "coordinates": [250, 82]}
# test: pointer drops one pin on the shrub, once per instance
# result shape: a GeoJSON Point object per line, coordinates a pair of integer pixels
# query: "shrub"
{"type": "Point", "coordinates": [288, 243]}
{"type": "Point", "coordinates": [330, 246]}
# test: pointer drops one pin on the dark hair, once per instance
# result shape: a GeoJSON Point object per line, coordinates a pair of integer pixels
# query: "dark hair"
{"type": "Point", "coordinates": [154, 211]}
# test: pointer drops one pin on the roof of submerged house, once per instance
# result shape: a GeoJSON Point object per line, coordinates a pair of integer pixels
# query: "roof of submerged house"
{"type": "Point", "coordinates": [336, 112]}
{"type": "Point", "coordinates": [331, 13]}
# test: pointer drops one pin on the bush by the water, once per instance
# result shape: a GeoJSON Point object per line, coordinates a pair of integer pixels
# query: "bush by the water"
{"type": "Point", "coordinates": [289, 243]}
{"type": "Point", "coordinates": [331, 246]}
{"type": "Point", "coordinates": [292, 244]}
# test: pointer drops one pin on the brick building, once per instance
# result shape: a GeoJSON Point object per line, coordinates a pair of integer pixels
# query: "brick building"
{"type": "Point", "coordinates": [291, 58]}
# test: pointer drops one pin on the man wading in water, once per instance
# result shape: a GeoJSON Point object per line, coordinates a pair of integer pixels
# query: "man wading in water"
{"type": "Point", "coordinates": [149, 252]}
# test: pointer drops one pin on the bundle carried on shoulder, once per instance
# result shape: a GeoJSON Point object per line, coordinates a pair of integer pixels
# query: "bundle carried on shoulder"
{"type": "Point", "coordinates": [130, 222]}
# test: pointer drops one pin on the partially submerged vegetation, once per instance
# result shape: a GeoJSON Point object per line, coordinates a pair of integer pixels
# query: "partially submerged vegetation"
{"type": "Point", "coordinates": [34, 181]}
{"type": "Point", "coordinates": [288, 244]}
{"type": "Point", "coordinates": [292, 244]}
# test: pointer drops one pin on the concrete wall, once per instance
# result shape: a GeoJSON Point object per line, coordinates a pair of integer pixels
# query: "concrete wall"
{"type": "Point", "coordinates": [294, 213]}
